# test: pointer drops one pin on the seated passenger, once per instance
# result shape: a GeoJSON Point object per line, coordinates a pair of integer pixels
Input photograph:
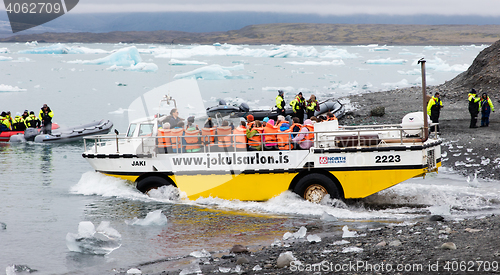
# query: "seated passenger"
{"type": "Point", "coordinates": [296, 126]}
{"type": "Point", "coordinates": [270, 141]}
{"type": "Point", "coordinates": [254, 137]}
{"type": "Point", "coordinates": [192, 137]}
{"type": "Point", "coordinates": [240, 138]}
{"type": "Point", "coordinates": [250, 121]}
{"type": "Point", "coordinates": [304, 140]}
{"type": "Point", "coordinates": [32, 121]}
{"type": "Point", "coordinates": [4, 122]}
{"type": "Point", "coordinates": [280, 120]}
{"type": "Point", "coordinates": [165, 144]}
{"type": "Point", "coordinates": [330, 116]}
{"type": "Point", "coordinates": [177, 141]}
{"type": "Point", "coordinates": [284, 138]}
{"type": "Point", "coordinates": [224, 139]}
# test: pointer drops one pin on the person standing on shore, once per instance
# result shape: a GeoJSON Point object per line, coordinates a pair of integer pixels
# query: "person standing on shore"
{"type": "Point", "coordinates": [280, 102]}
{"type": "Point", "coordinates": [433, 109]}
{"type": "Point", "coordinates": [46, 116]}
{"type": "Point", "coordinates": [473, 108]}
{"type": "Point", "coordinates": [486, 108]}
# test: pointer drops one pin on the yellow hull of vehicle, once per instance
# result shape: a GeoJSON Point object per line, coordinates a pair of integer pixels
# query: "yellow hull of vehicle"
{"type": "Point", "coordinates": [260, 187]}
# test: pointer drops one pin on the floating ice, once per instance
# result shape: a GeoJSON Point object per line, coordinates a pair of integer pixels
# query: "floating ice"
{"type": "Point", "coordinates": [62, 49]}
{"type": "Point", "coordinates": [318, 63]}
{"type": "Point", "coordinates": [192, 269]}
{"type": "Point", "coordinates": [200, 254]}
{"type": "Point", "coordinates": [386, 61]}
{"type": "Point", "coordinates": [400, 84]}
{"type": "Point", "coordinates": [8, 88]}
{"type": "Point", "coordinates": [328, 218]}
{"type": "Point", "coordinates": [349, 86]}
{"type": "Point", "coordinates": [275, 89]}
{"type": "Point", "coordinates": [313, 238]}
{"type": "Point", "coordinates": [139, 67]}
{"type": "Point", "coordinates": [120, 111]}
{"type": "Point", "coordinates": [185, 62]}
{"type": "Point", "coordinates": [5, 58]}
{"type": "Point", "coordinates": [15, 269]}
{"type": "Point", "coordinates": [443, 210]}
{"type": "Point", "coordinates": [31, 44]}
{"type": "Point", "coordinates": [4, 50]}
{"type": "Point", "coordinates": [89, 240]}
{"type": "Point", "coordinates": [213, 72]}
{"type": "Point", "coordinates": [438, 64]}
{"type": "Point", "coordinates": [283, 51]}
{"type": "Point", "coordinates": [348, 234]}
{"type": "Point", "coordinates": [134, 271]}
{"type": "Point", "coordinates": [152, 218]}
{"type": "Point", "coordinates": [123, 57]}
{"type": "Point", "coordinates": [301, 233]}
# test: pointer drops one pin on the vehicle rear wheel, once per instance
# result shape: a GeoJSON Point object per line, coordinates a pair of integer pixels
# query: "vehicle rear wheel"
{"type": "Point", "coordinates": [151, 182]}
{"type": "Point", "coordinates": [314, 187]}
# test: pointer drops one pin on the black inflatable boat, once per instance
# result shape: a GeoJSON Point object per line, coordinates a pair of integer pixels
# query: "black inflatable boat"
{"type": "Point", "coordinates": [223, 109]}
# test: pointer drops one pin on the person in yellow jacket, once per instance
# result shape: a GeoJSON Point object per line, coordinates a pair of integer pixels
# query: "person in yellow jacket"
{"type": "Point", "coordinates": [32, 121]}
{"type": "Point", "coordinates": [280, 103]}
{"type": "Point", "coordinates": [486, 107]}
{"type": "Point", "coordinates": [46, 116]}
{"type": "Point", "coordinates": [433, 110]}
{"type": "Point", "coordinates": [4, 122]}
{"type": "Point", "coordinates": [473, 107]}
{"type": "Point", "coordinates": [18, 124]}
{"type": "Point", "coordinates": [298, 104]}
{"type": "Point", "coordinates": [311, 106]}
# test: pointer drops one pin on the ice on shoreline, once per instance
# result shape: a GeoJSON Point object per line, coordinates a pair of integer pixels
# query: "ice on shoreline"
{"type": "Point", "coordinates": [90, 240]}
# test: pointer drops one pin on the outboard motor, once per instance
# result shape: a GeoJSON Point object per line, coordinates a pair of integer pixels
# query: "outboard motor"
{"type": "Point", "coordinates": [244, 107]}
{"type": "Point", "coordinates": [222, 102]}
{"type": "Point", "coordinates": [30, 134]}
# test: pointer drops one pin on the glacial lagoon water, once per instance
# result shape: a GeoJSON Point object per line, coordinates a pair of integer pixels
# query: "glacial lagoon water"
{"type": "Point", "coordinates": [47, 191]}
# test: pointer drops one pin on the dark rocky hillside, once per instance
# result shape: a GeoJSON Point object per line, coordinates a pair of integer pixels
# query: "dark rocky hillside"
{"type": "Point", "coordinates": [483, 75]}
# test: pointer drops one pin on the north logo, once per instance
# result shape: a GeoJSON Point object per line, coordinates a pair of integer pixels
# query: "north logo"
{"type": "Point", "coordinates": [323, 160]}
{"type": "Point", "coordinates": [26, 14]}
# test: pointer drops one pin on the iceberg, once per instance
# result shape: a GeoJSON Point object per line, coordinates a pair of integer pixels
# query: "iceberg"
{"type": "Point", "coordinates": [8, 88]}
{"type": "Point", "coordinates": [123, 57]}
{"type": "Point", "coordinates": [5, 58]}
{"type": "Point", "coordinates": [89, 240]}
{"type": "Point", "coordinates": [176, 62]}
{"type": "Point", "coordinates": [213, 72]}
{"type": "Point", "coordinates": [61, 49]}
{"type": "Point", "coordinates": [301, 233]}
{"type": "Point", "coordinates": [386, 61]}
{"type": "Point", "coordinates": [400, 84]}
{"type": "Point", "coordinates": [139, 67]}
{"type": "Point", "coordinates": [318, 63]}
{"type": "Point", "coordinates": [152, 218]}
{"type": "Point", "coordinates": [4, 50]}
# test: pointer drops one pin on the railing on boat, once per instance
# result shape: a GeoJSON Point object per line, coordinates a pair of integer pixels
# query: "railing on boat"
{"type": "Point", "coordinates": [346, 136]}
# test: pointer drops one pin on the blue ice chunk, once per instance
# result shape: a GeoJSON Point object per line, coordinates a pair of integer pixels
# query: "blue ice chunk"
{"type": "Point", "coordinates": [123, 57]}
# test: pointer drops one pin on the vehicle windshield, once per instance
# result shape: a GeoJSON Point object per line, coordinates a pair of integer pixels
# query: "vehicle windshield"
{"type": "Point", "coordinates": [131, 130]}
{"type": "Point", "coordinates": [146, 130]}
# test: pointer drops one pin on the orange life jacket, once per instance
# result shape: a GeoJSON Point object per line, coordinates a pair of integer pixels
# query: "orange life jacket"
{"type": "Point", "coordinates": [250, 124]}
{"type": "Point", "coordinates": [208, 135]}
{"type": "Point", "coordinates": [224, 136]}
{"type": "Point", "coordinates": [257, 138]}
{"type": "Point", "coordinates": [298, 125]}
{"type": "Point", "coordinates": [332, 118]}
{"type": "Point", "coordinates": [309, 136]}
{"type": "Point", "coordinates": [240, 137]}
{"type": "Point", "coordinates": [270, 139]}
{"type": "Point", "coordinates": [284, 140]}
{"type": "Point", "coordinates": [164, 142]}
{"type": "Point", "coordinates": [192, 138]}
{"type": "Point", "coordinates": [176, 138]}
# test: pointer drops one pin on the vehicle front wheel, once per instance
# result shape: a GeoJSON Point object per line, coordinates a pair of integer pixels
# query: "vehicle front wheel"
{"type": "Point", "coordinates": [314, 187]}
{"type": "Point", "coordinates": [151, 182]}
